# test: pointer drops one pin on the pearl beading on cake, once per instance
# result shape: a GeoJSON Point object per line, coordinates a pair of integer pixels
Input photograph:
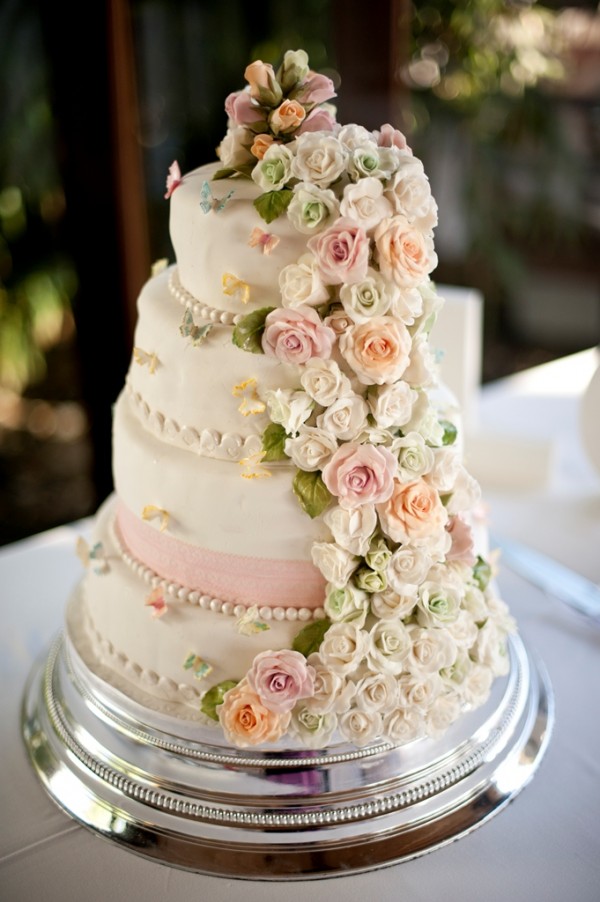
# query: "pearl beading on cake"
{"type": "Point", "coordinates": [204, 311]}
{"type": "Point", "coordinates": [177, 592]}
{"type": "Point", "coordinates": [206, 442]}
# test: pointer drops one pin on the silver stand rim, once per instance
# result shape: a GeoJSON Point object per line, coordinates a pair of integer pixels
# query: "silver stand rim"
{"type": "Point", "coordinates": [282, 814]}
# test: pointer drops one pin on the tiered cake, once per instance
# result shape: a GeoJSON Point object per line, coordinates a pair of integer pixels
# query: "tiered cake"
{"type": "Point", "coordinates": [289, 558]}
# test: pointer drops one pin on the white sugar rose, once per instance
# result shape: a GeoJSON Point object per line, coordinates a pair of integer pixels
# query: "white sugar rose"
{"type": "Point", "coordinates": [376, 692]}
{"type": "Point", "coordinates": [336, 564]}
{"type": "Point", "coordinates": [438, 604]}
{"type": "Point", "coordinates": [446, 465]}
{"type": "Point", "coordinates": [391, 405]}
{"type": "Point", "coordinates": [418, 691]}
{"type": "Point", "coordinates": [431, 649]}
{"type": "Point", "coordinates": [407, 568]}
{"type": "Point", "coordinates": [425, 420]}
{"type": "Point", "coordinates": [500, 614]}
{"type": "Point", "coordinates": [324, 381]}
{"type": "Point", "coordinates": [274, 170]}
{"type": "Point", "coordinates": [311, 448]}
{"type": "Point", "coordinates": [314, 730]}
{"type": "Point", "coordinates": [338, 320]}
{"type": "Point", "coordinates": [389, 605]}
{"type": "Point", "coordinates": [475, 604]}
{"type": "Point", "coordinates": [463, 630]}
{"type": "Point", "coordinates": [343, 648]}
{"type": "Point", "coordinates": [345, 418]}
{"type": "Point", "coordinates": [490, 648]}
{"type": "Point", "coordinates": [477, 684]}
{"type": "Point", "coordinates": [319, 158]}
{"type": "Point", "coordinates": [443, 712]}
{"type": "Point", "coordinates": [332, 692]}
{"type": "Point", "coordinates": [432, 304]}
{"type": "Point", "coordinates": [301, 283]}
{"type": "Point", "coordinates": [312, 208]}
{"type": "Point", "coordinates": [409, 192]}
{"type": "Point", "coordinates": [404, 725]}
{"type": "Point", "coordinates": [367, 298]}
{"type": "Point", "coordinates": [360, 727]}
{"type": "Point", "coordinates": [365, 202]}
{"type": "Point", "coordinates": [233, 150]}
{"type": "Point", "coordinates": [407, 305]}
{"type": "Point", "coordinates": [466, 493]}
{"type": "Point", "coordinates": [289, 408]}
{"type": "Point", "coordinates": [455, 675]}
{"type": "Point", "coordinates": [353, 136]}
{"type": "Point", "coordinates": [352, 528]}
{"type": "Point", "coordinates": [415, 458]}
{"type": "Point", "coordinates": [389, 647]}
{"type": "Point", "coordinates": [347, 605]}
{"type": "Point", "coordinates": [422, 371]}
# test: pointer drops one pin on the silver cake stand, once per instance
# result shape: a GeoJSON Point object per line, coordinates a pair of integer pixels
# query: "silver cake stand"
{"type": "Point", "coordinates": [268, 815]}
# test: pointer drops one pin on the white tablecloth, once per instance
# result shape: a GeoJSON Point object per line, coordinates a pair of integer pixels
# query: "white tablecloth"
{"type": "Point", "coordinates": [544, 846]}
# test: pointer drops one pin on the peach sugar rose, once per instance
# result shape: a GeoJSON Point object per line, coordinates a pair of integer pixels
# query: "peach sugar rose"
{"type": "Point", "coordinates": [288, 116]}
{"type": "Point", "coordinates": [247, 721]}
{"type": "Point", "coordinates": [413, 512]}
{"type": "Point", "coordinates": [404, 254]}
{"type": "Point", "coordinates": [377, 350]}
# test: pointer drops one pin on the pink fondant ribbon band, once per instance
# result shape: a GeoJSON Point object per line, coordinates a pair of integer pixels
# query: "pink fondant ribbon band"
{"type": "Point", "coordinates": [228, 577]}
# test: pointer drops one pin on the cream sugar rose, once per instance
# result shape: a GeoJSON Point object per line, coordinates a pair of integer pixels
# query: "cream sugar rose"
{"type": "Point", "coordinates": [290, 554]}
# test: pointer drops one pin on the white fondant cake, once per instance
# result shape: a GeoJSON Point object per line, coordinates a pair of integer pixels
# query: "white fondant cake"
{"type": "Point", "coordinates": [289, 555]}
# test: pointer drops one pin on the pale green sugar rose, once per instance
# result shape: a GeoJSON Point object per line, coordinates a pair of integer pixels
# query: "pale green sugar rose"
{"type": "Point", "coordinates": [370, 160]}
{"type": "Point", "coordinates": [415, 458]}
{"type": "Point", "coordinates": [346, 605]}
{"type": "Point", "coordinates": [378, 556]}
{"type": "Point", "coordinates": [273, 171]}
{"type": "Point", "coordinates": [457, 672]}
{"type": "Point", "coordinates": [367, 298]}
{"type": "Point", "coordinates": [389, 647]}
{"type": "Point", "coordinates": [370, 580]}
{"type": "Point", "coordinates": [438, 605]}
{"type": "Point", "coordinates": [294, 68]}
{"type": "Point", "coordinates": [313, 729]}
{"type": "Point", "coordinates": [312, 208]}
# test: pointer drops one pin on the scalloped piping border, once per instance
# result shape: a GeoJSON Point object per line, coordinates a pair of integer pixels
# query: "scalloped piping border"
{"type": "Point", "coordinates": [192, 596]}
{"type": "Point", "coordinates": [210, 443]}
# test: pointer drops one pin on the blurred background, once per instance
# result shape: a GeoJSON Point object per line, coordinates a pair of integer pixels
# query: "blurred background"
{"type": "Point", "coordinates": [500, 99]}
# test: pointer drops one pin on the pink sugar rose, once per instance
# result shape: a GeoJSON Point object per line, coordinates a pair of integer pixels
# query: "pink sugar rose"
{"type": "Point", "coordinates": [342, 253]}
{"type": "Point", "coordinates": [360, 474]}
{"type": "Point", "coordinates": [240, 107]}
{"type": "Point", "coordinates": [378, 350]}
{"type": "Point", "coordinates": [404, 254]}
{"type": "Point", "coordinates": [280, 678]}
{"type": "Point", "coordinates": [388, 136]}
{"type": "Point", "coordinates": [173, 179]}
{"type": "Point", "coordinates": [462, 541]}
{"type": "Point", "coordinates": [247, 721]}
{"type": "Point", "coordinates": [319, 120]}
{"type": "Point", "coordinates": [413, 512]}
{"type": "Point", "coordinates": [295, 335]}
{"type": "Point", "coordinates": [317, 88]}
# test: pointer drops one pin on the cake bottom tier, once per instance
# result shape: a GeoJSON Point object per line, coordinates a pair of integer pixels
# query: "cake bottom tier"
{"type": "Point", "coordinates": [132, 776]}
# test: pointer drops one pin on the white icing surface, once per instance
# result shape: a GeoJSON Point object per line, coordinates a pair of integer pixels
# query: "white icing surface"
{"type": "Point", "coordinates": [209, 502]}
{"type": "Point", "coordinates": [191, 389]}
{"type": "Point", "coordinates": [149, 652]}
{"type": "Point", "coordinates": [207, 245]}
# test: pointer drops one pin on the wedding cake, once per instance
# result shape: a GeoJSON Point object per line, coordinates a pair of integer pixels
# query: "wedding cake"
{"type": "Point", "coordinates": [294, 554]}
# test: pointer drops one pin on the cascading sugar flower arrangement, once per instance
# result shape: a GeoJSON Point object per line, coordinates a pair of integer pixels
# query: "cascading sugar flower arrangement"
{"type": "Point", "coordinates": [413, 632]}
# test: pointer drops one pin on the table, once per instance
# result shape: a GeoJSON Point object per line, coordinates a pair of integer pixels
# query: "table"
{"type": "Point", "coordinates": [544, 845]}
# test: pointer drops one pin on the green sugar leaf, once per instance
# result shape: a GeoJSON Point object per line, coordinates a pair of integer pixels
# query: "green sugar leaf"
{"type": "Point", "coordinates": [450, 432]}
{"type": "Point", "coordinates": [248, 332]}
{"type": "Point", "coordinates": [273, 203]}
{"type": "Point", "coordinates": [214, 697]}
{"type": "Point", "coordinates": [273, 442]}
{"type": "Point", "coordinates": [311, 492]}
{"type": "Point", "coordinates": [310, 637]}
{"type": "Point", "coordinates": [482, 573]}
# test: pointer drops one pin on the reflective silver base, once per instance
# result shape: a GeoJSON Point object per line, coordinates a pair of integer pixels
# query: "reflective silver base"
{"type": "Point", "coordinates": [279, 814]}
